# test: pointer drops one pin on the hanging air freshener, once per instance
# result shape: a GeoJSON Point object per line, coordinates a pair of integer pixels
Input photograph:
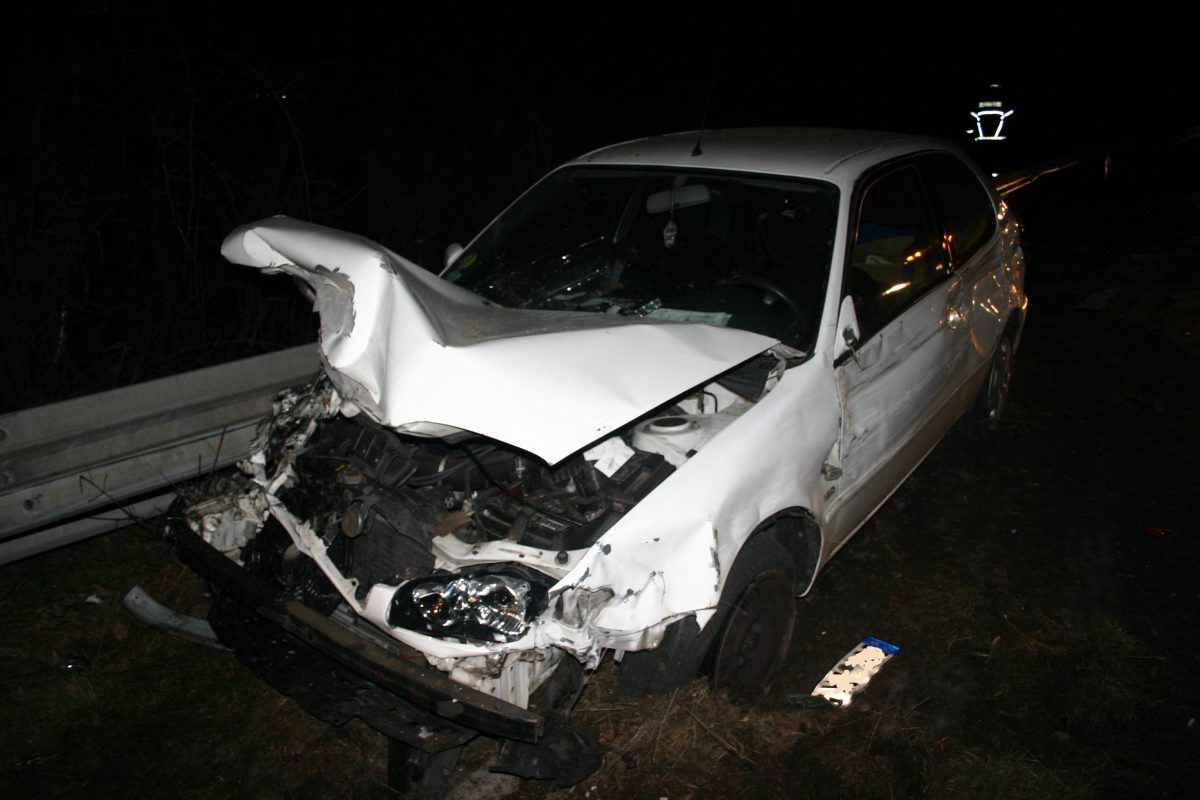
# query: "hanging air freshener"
{"type": "Point", "coordinates": [670, 234]}
{"type": "Point", "coordinates": [671, 231]}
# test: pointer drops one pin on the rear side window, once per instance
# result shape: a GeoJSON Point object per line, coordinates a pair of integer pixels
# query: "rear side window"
{"type": "Point", "coordinates": [962, 203]}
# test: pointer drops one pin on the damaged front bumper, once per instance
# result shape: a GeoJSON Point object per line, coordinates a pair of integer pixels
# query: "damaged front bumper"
{"type": "Point", "coordinates": [431, 703]}
{"type": "Point", "coordinates": [335, 669]}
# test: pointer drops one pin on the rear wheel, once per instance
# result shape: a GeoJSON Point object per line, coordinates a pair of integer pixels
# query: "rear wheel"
{"type": "Point", "coordinates": [984, 417]}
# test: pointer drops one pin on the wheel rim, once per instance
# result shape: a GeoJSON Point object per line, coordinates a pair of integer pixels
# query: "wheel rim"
{"type": "Point", "coordinates": [756, 634]}
{"type": "Point", "coordinates": [998, 381]}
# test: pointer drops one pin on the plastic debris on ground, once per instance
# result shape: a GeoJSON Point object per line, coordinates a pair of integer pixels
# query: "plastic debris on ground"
{"type": "Point", "coordinates": [140, 604]}
{"type": "Point", "coordinates": [849, 676]}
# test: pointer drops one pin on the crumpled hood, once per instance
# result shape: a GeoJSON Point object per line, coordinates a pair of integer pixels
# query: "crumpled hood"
{"type": "Point", "coordinates": [424, 356]}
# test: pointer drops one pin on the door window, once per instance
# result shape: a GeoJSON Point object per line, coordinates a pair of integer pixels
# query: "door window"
{"type": "Point", "coordinates": [896, 255]}
{"type": "Point", "coordinates": [962, 203]}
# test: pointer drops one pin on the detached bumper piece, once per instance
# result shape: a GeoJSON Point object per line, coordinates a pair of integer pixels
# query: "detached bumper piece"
{"type": "Point", "coordinates": [144, 608]}
{"type": "Point", "coordinates": [336, 673]}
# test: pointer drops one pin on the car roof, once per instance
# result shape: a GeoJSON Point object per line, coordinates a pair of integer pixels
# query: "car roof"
{"type": "Point", "coordinates": [832, 154]}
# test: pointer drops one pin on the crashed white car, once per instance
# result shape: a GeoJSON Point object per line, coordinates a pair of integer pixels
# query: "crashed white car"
{"type": "Point", "coordinates": [635, 416]}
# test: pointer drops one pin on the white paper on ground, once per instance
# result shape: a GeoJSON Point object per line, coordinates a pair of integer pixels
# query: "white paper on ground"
{"type": "Point", "coordinates": [854, 671]}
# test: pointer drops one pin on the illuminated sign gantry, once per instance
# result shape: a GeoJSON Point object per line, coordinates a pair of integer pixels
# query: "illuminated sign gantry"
{"type": "Point", "coordinates": [989, 120]}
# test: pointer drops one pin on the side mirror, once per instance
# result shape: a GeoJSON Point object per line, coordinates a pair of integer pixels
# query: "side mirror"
{"type": "Point", "coordinates": [848, 333]}
{"type": "Point", "coordinates": [453, 251]}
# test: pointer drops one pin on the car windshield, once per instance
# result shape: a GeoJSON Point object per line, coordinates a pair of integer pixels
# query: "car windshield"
{"type": "Point", "coordinates": [729, 249]}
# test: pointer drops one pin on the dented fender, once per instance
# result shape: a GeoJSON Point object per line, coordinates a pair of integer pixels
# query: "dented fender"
{"type": "Point", "coordinates": [671, 554]}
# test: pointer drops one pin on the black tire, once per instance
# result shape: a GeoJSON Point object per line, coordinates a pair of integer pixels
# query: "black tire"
{"type": "Point", "coordinates": [757, 628]}
{"type": "Point", "coordinates": [983, 418]}
{"type": "Point", "coordinates": [672, 664]}
{"type": "Point", "coordinates": [755, 614]}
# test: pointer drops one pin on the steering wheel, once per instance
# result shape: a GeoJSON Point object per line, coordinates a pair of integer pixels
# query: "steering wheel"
{"type": "Point", "coordinates": [770, 288]}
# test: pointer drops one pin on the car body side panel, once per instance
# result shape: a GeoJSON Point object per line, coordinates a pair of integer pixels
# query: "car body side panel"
{"type": "Point", "coordinates": [990, 295]}
{"type": "Point", "coordinates": [913, 380]}
{"type": "Point", "coordinates": [897, 383]}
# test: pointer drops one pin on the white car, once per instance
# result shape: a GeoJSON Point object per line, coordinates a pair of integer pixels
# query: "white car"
{"type": "Point", "coordinates": [635, 416]}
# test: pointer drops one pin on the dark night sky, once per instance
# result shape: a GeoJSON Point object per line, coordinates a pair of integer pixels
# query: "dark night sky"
{"type": "Point", "coordinates": [612, 70]}
{"type": "Point", "coordinates": [483, 98]}
{"type": "Point", "coordinates": [136, 135]}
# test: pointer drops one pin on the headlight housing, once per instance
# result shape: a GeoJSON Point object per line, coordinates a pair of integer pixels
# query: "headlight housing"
{"type": "Point", "coordinates": [487, 606]}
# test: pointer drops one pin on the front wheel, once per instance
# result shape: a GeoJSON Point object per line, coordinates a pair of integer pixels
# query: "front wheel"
{"type": "Point", "coordinates": [742, 645]}
{"type": "Point", "coordinates": [758, 629]}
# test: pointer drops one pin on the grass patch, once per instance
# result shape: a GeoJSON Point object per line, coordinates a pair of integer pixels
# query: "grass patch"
{"type": "Point", "coordinates": [97, 705]}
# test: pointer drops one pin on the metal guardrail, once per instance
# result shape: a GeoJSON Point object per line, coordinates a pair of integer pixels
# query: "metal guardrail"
{"type": "Point", "coordinates": [1010, 182]}
{"type": "Point", "coordinates": [1018, 179]}
{"type": "Point", "coordinates": [65, 467]}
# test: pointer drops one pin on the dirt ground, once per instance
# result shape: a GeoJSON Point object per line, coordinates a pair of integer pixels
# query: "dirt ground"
{"type": "Point", "coordinates": [1041, 586]}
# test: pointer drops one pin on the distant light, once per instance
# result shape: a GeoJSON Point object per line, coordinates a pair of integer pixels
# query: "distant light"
{"type": "Point", "coordinates": [909, 260]}
{"type": "Point", "coordinates": [995, 174]}
{"type": "Point", "coordinates": [899, 287]}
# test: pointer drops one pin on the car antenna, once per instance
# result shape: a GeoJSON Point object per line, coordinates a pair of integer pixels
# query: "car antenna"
{"type": "Point", "coordinates": [708, 101]}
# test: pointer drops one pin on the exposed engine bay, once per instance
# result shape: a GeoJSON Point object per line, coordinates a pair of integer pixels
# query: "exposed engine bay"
{"type": "Point", "coordinates": [459, 540]}
{"type": "Point", "coordinates": [379, 499]}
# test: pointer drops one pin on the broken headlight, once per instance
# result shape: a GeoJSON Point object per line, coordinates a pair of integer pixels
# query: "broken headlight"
{"type": "Point", "coordinates": [488, 606]}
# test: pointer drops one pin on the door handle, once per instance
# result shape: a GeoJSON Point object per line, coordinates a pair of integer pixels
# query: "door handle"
{"type": "Point", "coordinates": [955, 318]}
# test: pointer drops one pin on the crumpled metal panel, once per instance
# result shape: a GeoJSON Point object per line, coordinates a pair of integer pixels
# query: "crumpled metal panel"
{"type": "Point", "coordinates": [424, 356]}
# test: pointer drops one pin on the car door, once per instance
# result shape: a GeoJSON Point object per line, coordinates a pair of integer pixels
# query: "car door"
{"type": "Point", "coordinates": [896, 378]}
